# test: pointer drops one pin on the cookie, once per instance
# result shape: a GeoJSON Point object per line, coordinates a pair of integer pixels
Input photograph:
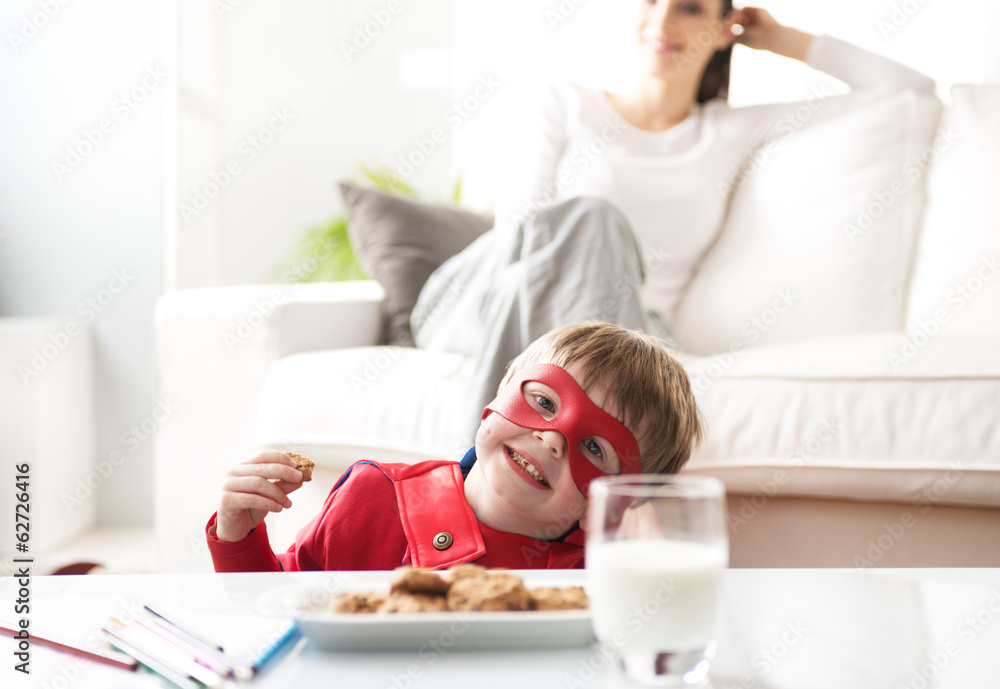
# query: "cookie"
{"type": "Point", "coordinates": [462, 587]}
{"type": "Point", "coordinates": [572, 598]}
{"type": "Point", "coordinates": [413, 602]}
{"type": "Point", "coordinates": [304, 465]}
{"type": "Point", "coordinates": [355, 602]}
{"type": "Point", "coordinates": [488, 592]}
{"type": "Point", "coordinates": [457, 572]}
{"type": "Point", "coordinates": [409, 580]}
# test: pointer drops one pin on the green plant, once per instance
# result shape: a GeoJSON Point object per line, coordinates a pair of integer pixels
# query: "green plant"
{"type": "Point", "coordinates": [324, 252]}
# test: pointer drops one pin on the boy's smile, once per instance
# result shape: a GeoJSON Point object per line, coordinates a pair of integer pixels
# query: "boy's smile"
{"type": "Point", "coordinates": [528, 465]}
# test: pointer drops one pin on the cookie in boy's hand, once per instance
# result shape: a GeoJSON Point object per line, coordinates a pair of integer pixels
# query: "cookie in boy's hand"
{"type": "Point", "coordinates": [304, 465]}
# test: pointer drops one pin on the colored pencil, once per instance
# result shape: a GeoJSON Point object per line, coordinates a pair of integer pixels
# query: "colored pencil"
{"type": "Point", "coordinates": [168, 673]}
{"type": "Point", "coordinates": [77, 648]}
{"type": "Point", "coordinates": [161, 649]}
{"type": "Point", "coordinates": [200, 640]}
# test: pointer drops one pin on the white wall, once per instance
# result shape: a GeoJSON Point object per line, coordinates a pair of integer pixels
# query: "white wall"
{"type": "Point", "coordinates": [66, 232]}
{"type": "Point", "coordinates": [342, 109]}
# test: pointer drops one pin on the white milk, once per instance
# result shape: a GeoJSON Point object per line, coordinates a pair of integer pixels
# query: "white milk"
{"type": "Point", "coordinates": [656, 595]}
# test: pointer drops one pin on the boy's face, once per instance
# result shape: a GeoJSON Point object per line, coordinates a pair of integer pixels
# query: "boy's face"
{"type": "Point", "coordinates": [522, 481]}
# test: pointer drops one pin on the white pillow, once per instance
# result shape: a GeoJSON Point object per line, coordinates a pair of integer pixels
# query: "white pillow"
{"type": "Point", "coordinates": [819, 238]}
{"type": "Point", "coordinates": [956, 280]}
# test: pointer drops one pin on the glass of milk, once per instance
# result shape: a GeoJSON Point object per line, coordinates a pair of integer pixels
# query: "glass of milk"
{"type": "Point", "coordinates": [656, 548]}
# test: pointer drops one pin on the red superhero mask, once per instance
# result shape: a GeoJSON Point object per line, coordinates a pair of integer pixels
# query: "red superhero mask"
{"type": "Point", "coordinates": [578, 419]}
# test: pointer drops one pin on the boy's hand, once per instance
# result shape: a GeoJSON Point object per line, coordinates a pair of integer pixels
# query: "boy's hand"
{"type": "Point", "coordinates": [761, 31]}
{"type": "Point", "coordinates": [251, 490]}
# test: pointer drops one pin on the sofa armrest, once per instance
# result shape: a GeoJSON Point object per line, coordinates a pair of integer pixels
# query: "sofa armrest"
{"type": "Point", "coordinates": [213, 349]}
{"type": "Point", "coordinates": [332, 315]}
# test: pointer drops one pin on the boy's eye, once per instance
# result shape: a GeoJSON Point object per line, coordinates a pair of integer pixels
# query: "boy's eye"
{"type": "Point", "coordinates": [601, 456]}
{"type": "Point", "coordinates": [545, 403]}
{"type": "Point", "coordinates": [541, 398]}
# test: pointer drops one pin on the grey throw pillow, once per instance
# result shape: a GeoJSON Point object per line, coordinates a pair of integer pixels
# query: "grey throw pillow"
{"type": "Point", "coordinates": [400, 242]}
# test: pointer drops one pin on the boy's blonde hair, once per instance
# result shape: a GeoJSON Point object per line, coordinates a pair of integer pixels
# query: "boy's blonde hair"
{"type": "Point", "coordinates": [650, 386]}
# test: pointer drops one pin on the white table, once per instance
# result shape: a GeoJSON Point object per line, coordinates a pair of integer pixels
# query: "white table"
{"type": "Point", "coordinates": [843, 629]}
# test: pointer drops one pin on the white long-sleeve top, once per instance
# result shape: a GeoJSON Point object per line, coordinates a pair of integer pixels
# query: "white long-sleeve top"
{"type": "Point", "coordinates": [673, 185]}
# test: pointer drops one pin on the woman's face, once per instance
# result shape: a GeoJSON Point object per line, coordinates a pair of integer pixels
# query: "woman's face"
{"type": "Point", "coordinates": [677, 38]}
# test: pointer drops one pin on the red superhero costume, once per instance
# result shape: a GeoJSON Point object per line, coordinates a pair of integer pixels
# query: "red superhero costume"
{"type": "Point", "coordinates": [381, 516]}
{"type": "Point", "coordinates": [360, 528]}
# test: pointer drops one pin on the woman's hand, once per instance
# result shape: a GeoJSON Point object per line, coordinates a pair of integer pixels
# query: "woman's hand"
{"type": "Point", "coordinates": [761, 31]}
{"type": "Point", "coordinates": [251, 490]}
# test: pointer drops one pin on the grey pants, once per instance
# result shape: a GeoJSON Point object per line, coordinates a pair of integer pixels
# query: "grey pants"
{"type": "Point", "coordinates": [572, 262]}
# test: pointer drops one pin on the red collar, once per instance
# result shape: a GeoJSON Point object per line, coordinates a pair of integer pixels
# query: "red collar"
{"type": "Point", "coordinates": [442, 530]}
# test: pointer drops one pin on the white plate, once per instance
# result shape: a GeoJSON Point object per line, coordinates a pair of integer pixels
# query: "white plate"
{"type": "Point", "coordinates": [309, 606]}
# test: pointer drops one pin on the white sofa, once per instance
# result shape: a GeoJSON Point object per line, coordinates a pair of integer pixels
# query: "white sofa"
{"type": "Point", "coordinates": [842, 335]}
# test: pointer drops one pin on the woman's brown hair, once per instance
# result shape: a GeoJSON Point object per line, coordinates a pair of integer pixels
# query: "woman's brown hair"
{"type": "Point", "coordinates": [715, 80]}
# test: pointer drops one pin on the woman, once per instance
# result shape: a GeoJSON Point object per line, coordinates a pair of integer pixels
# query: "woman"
{"type": "Point", "coordinates": [618, 195]}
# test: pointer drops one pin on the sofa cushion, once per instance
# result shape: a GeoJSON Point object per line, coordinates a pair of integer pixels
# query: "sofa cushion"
{"type": "Point", "coordinates": [400, 242]}
{"type": "Point", "coordinates": [834, 418]}
{"type": "Point", "coordinates": [819, 234]}
{"type": "Point", "coordinates": [956, 282]}
{"type": "Point", "coordinates": [828, 418]}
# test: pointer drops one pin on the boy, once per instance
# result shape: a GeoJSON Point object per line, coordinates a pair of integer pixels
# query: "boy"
{"type": "Point", "coordinates": [583, 400]}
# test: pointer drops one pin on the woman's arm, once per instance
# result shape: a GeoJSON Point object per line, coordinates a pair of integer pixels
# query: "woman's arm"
{"type": "Point", "coordinates": [762, 32]}
{"type": "Point", "coordinates": [856, 67]}
{"type": "Point", "coordinates": [863, 70]}
{"type": "Point", "coordinates": [871, 77]}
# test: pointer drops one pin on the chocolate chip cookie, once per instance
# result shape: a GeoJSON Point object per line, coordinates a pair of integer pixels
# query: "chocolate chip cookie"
{"type": "Point", "coordinates": [409, 580]}
{"type": "Point", "coordinates": [304, 465]}
{"type": "Point", "coordinates": [488, 592]}
{"type": "Point", "coordinates": [571, 598]}
{"type": "Point", "coordinates": [355, 602]}
{"type": "Point", "coordinates": [413, 602]}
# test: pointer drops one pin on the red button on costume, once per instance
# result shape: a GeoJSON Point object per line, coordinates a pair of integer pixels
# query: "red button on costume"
{"type": "Point", "coordinates": [381, 516]}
